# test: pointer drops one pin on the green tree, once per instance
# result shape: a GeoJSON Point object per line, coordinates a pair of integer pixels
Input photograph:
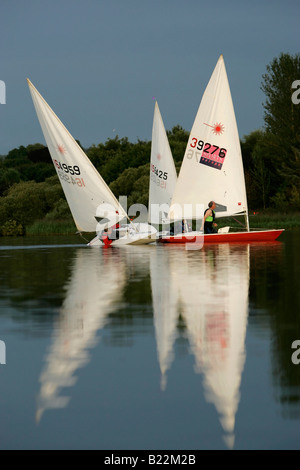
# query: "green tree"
{"type": "Point", "coordinates": [33, 163]}
{"type": "Point", "coordinates": [25, 202]}
{"type": "Point", "coordinates": [260, 176]}
{"type": "Point", "coordinates": [247, 145]}
{"type": "Point", "coordinates": [133, 183]}
{"type": "Point", "coordinates": [29, 201]}
{"type": "Point", "coordinates": [282, 124]}
{"type": "Point", "coordinates": [178, 139]}
{"type": "Point", "coordinates": [8, 177]}
{"type": "Point", "coordinates": [116, 155]}
{"type": "Point", "coordinates": [282, 116]}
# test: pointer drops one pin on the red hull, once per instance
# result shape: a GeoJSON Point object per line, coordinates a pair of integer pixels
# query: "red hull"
{"type": "Point", "coordinates": [230, 237]}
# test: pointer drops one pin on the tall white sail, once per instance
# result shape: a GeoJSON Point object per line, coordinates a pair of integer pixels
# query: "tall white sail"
{"type": "Point", "coordinates": [84, 188]}
{"type": "Point", "coordinates": [212, 167]}
{"type": "Point", "coordinates": [163, 174]}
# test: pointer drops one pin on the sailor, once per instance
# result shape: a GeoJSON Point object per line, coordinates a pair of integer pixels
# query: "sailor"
{"type": "Point", "coordinates": [209, 219]}
{"type": "Point", "coordinates": [104, 237]}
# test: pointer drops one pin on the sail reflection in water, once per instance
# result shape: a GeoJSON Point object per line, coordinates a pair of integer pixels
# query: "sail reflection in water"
{"type": "Point", "coordinates": [95, 286]}
{"type": "Point", "coordinates": [165, 306]}
{"type": "Point", "coordinates": [209, 288]}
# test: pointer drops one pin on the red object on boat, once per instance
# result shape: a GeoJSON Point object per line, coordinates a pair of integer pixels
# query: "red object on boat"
{"type": "Point", "coordinates": [235, 237]}
{"type": "Point", "coordinates": [106, 240]}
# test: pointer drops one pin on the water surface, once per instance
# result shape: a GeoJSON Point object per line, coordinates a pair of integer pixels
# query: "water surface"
{"type": "Point", "coordinates": [149, 347]}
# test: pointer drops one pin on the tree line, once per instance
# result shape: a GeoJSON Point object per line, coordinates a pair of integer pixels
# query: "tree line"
{"type": "Point", "coordinates": [30, 189]}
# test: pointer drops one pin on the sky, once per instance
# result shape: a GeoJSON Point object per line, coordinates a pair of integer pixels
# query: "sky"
{"type": "Point", "coordinates": [101, 64]}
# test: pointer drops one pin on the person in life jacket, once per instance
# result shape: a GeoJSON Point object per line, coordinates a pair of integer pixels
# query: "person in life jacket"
{"type": "Point", "coordinates": [208, 221]}
{"type": "Point", "coordinates": [110, 234]}
{"type": "Point", "coordinates": [104, 237]}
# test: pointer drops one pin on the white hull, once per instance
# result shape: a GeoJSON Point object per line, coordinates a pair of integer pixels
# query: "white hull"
{"type": "Point", "coordinates": [134, 234]}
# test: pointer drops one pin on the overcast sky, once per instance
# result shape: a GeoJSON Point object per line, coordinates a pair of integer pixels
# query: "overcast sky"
{"type": "Point", "coordinates": [101, 63]}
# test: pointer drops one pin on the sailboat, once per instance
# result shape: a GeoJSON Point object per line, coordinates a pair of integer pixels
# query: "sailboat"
{"type": "Point", "coordinates": [93, 205]}
{"type": "Point", "coordinates": [163, 175]}
{"type": "Point", "coordinates": [212, 167]}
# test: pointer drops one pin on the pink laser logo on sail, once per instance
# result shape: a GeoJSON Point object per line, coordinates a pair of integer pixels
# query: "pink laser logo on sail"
{"type": "Point", "coordinates": [62, 149]}
{"type": "Point", "coordinates": [218, 128]}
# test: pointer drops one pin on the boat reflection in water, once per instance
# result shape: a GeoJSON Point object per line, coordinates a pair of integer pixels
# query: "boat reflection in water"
{"type": "Point", "coordinates": [209, 288]}
{"type": "Point", "coordinates": [94, 288]}
{"type": "Point", "coordinates": [165, 308]}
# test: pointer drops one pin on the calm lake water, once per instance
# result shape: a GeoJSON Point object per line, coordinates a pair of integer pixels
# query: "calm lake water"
{"type": "Point", "coordinates": [149, 347]}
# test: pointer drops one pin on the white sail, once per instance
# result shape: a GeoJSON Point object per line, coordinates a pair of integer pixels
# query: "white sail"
{"type": "Point", "coordinates": [163, 174]}
{"type": "Point", "coordinates": [212, 167]}
{"type": "Point", "coordinates": [84, 188]}
{"type": "Point", "coordinates": [94, 288]}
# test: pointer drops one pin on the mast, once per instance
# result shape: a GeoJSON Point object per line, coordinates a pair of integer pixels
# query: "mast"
{"type": "Point", "coordinates": [247, 221]}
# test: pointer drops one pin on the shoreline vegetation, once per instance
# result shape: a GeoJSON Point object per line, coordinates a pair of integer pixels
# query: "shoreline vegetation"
{"type": "Point", "coordinates": [259, 220]}
{"type": "Point", "coordinates": [32, 201]}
